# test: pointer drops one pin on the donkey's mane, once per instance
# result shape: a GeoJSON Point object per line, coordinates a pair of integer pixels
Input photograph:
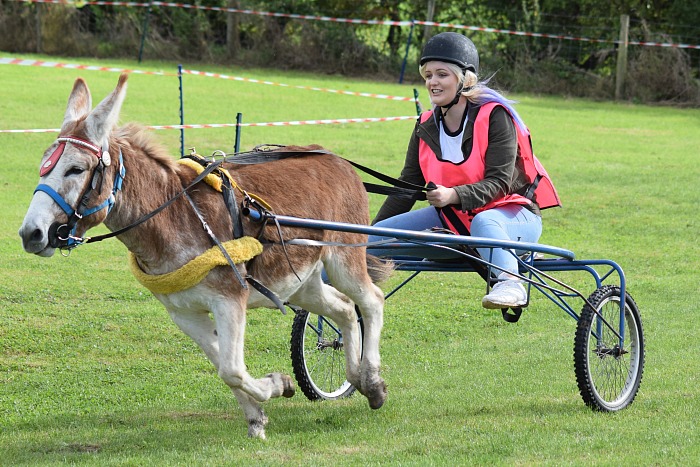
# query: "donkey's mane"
{"type": "Point", "coordinates": [141, 140]}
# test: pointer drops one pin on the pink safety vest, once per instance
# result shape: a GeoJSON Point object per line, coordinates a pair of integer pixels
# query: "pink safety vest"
{"type": "Point", "coordinates": [472, 170]}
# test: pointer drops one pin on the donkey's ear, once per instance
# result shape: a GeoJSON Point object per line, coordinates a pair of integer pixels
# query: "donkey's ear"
{"type": "Point", "coordinates": [79, 104]}
{"type": "Point", "coordinates": [100, 122]}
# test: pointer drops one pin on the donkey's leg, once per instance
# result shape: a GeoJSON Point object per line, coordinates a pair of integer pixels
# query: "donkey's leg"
{"type": "Point", "coordinates": [348, 271]}
{"type": "Point", "coordinates": [321, 299]}
{"type": "Point", "coordinates": [230, 316]}
{"type": "Point", "coordinates": [200, 328]}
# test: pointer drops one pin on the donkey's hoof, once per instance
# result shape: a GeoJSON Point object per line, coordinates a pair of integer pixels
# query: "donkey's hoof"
{"type": "Point", "coordinates": [282, 385]}
{"type": "Point", "coordinates": [256, 426]}
{"type": "Point", "coordinates": [376, 395]}
{"type": "Point", "coordinates": [289, 388]}
{"type": "Point", "coordinates": [256, 430]}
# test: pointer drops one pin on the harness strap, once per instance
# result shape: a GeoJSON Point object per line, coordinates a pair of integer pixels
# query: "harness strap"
{"type": "Point", "coordinates": [216, 241]}
{"type": "Point", "coordinates": [252, 281]}
{"type": "Point", "coordinates": [284, 246]}
{"type": "Point", "coordinates": [56, 197]}
{"type": "Point", "coordinates": [230, 201]}
{"type": "Point", "coordinates": [146, 217]}
{"type": "Point", "coordinates": [267, 293]}
{"type": "Point", "coordinates": [480, 268]}
{"type": "Point", "coordinates": [405, 193]}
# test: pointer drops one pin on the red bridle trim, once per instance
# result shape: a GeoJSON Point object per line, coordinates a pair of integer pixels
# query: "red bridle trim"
{"type": "Point", "coordinates": [51, 162]}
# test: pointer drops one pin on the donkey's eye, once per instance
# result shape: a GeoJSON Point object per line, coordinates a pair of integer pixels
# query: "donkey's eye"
{"type": "Point", "coordinates": [74, 171]}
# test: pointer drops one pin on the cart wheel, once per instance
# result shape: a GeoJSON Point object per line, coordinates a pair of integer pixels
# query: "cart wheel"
{"type": "Point", "coordinates": [318, 359]}
{"type": "Point", "coordinates": [608, 374]}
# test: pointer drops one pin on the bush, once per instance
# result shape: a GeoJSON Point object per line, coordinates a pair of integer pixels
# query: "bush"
{"type": "Point", "coordinates": [661, 75]}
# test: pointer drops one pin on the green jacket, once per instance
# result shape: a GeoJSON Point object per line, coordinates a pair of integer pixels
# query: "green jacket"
{"type": "Point", "coordinates": [503, 176]}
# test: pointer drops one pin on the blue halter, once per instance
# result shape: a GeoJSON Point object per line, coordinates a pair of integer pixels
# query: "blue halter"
{"type": "Point", "coordinates": [71, 240]}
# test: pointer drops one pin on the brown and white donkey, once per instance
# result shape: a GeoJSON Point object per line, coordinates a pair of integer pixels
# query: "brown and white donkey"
{"type": "Point", "coordinates": [97, 172]}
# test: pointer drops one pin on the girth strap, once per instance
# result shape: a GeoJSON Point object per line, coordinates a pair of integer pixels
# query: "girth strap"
{"type": "Point", "coordinates": [256, 284]}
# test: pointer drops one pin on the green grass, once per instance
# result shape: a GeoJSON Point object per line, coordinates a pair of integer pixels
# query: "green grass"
{"type": "Point", "coordinates": [92, 370]}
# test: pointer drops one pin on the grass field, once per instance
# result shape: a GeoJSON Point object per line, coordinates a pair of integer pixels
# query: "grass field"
{"type": "Point", "coordinates": [92, 370]}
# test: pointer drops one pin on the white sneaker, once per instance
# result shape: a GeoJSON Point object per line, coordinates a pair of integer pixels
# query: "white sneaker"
{"type": "Point", "coordinates": [505, 294]}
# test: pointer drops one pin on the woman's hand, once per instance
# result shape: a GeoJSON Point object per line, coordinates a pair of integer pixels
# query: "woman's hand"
{"type": "Point", "coordinates": [442, 196]}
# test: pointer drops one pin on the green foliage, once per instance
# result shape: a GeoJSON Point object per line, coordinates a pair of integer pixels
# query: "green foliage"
{"type": "Point", "coordinates": [93, 372]}
{"type": "Point", "coordinates": [526, 63]}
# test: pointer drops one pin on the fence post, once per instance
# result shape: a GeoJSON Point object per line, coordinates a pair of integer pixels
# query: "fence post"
{"type": "Point", "coordinates": [419, 108]}
{"type": "Point", "coordinates": [182, 113]}
{"type": "Point", "coordinates": [405, 55]}
{"type": "Point", "coordinates": [145, 30]}
{"type": "Point", "coordinates": [622, 57]}
{"type": "Point", "coordinates": [39, 45]}
{"type": "Point", "coordinates": [237, 144]}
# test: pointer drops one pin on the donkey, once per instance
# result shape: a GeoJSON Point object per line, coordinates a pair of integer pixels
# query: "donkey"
{"type": "Point", "coordinates": [82, 179]}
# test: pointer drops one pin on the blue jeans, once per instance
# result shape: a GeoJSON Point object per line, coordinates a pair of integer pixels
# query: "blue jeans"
{"type": "Point", "coordinates": [511, 222]}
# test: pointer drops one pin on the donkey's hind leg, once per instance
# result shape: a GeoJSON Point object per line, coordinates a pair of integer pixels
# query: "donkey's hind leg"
{"type": "Point", "coordinates": [321, 299]}
{"type": "Point", "coordinates": [348, 272]}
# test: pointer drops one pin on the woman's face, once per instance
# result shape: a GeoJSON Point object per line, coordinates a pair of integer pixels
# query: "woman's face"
{"type": "Point", "coordinates": [440, 82]}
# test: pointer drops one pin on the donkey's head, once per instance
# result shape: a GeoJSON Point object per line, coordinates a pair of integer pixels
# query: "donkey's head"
{"type": "Point", "coordinates": [79, 173]}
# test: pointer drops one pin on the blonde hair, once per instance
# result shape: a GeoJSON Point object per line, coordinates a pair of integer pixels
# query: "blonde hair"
{"type": "Point", "coordinates": [476, 91]}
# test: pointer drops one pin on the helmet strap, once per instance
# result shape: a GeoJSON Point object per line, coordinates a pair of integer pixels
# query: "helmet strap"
{"type": "Point", "coordinates": [446, 108]}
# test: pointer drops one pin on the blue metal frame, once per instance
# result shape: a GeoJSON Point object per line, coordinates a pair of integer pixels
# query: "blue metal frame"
{"type": "Point", "coordinates": [421, 251]}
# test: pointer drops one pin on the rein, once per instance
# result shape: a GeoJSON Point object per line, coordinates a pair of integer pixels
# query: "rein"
{"type": "Point", "coordinates": [71, 241]}
{"type": "Point", "coordinates": [270, 152]}
{"type": "Point", "coordinates": [66, 232]}
{"type": "Point", "coordinates": [209, 169]}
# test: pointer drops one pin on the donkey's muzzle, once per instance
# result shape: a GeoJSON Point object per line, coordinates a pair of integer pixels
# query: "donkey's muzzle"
{"type": "Point", "coordinates": [58, 235]}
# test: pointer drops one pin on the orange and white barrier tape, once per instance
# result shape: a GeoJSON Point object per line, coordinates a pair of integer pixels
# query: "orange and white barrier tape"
{"type": "Point", "coordinates": [73, 66]}
{"type": "Point", "coordinates": [333, 121]}
{"type": "Point", "coordinates": [308, 88]}
{"type": "Point", "coordinates": [81, 3]}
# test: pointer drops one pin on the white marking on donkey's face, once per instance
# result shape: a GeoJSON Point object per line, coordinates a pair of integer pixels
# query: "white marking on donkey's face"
{"type": "Point", "coordinates": [69, 177]}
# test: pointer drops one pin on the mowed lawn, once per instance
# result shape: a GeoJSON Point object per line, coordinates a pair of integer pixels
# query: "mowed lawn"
{"type": "Point", "coordinates": [92, 370]}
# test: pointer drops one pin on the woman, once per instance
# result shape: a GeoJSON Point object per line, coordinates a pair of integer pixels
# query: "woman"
{"type": "Point", "coordinates": [475, 149]}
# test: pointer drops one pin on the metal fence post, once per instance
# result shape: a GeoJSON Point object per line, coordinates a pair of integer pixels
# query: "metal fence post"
{"type": "Point", "coordinates": [405, 56]}
{"type": "Point", "coordinates": [182, 113]}
{"type": "Point", "coordinates": [237, 144]}
{"type": "Point", "coordinates": [145, 30]}
{"type": "Point", "coordinates": [622, 57]}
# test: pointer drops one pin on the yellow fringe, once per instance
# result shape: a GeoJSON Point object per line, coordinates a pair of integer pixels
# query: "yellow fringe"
{"type": "Point", "coordinates": [192, 273]}
{"type": "Point", "coordinates": [214, 181]}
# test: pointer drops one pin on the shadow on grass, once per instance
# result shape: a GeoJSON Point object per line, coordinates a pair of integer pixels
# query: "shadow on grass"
{"type": "Point", "coordinates": [152, 435]}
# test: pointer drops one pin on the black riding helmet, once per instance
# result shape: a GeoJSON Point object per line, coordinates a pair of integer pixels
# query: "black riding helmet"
{"type": "Point", "coordinates": [454, 48]}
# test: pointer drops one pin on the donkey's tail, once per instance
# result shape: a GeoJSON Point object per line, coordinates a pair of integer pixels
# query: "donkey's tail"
{"type": "Point", "coordinates": [379, 269]}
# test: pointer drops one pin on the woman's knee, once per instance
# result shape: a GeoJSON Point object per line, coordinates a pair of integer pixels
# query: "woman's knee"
{"type": "Point", "coordinates": [484, 222]}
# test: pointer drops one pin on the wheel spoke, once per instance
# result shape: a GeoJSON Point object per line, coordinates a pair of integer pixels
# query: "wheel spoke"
{"type": "Point", "coordinates": [318, 357]}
